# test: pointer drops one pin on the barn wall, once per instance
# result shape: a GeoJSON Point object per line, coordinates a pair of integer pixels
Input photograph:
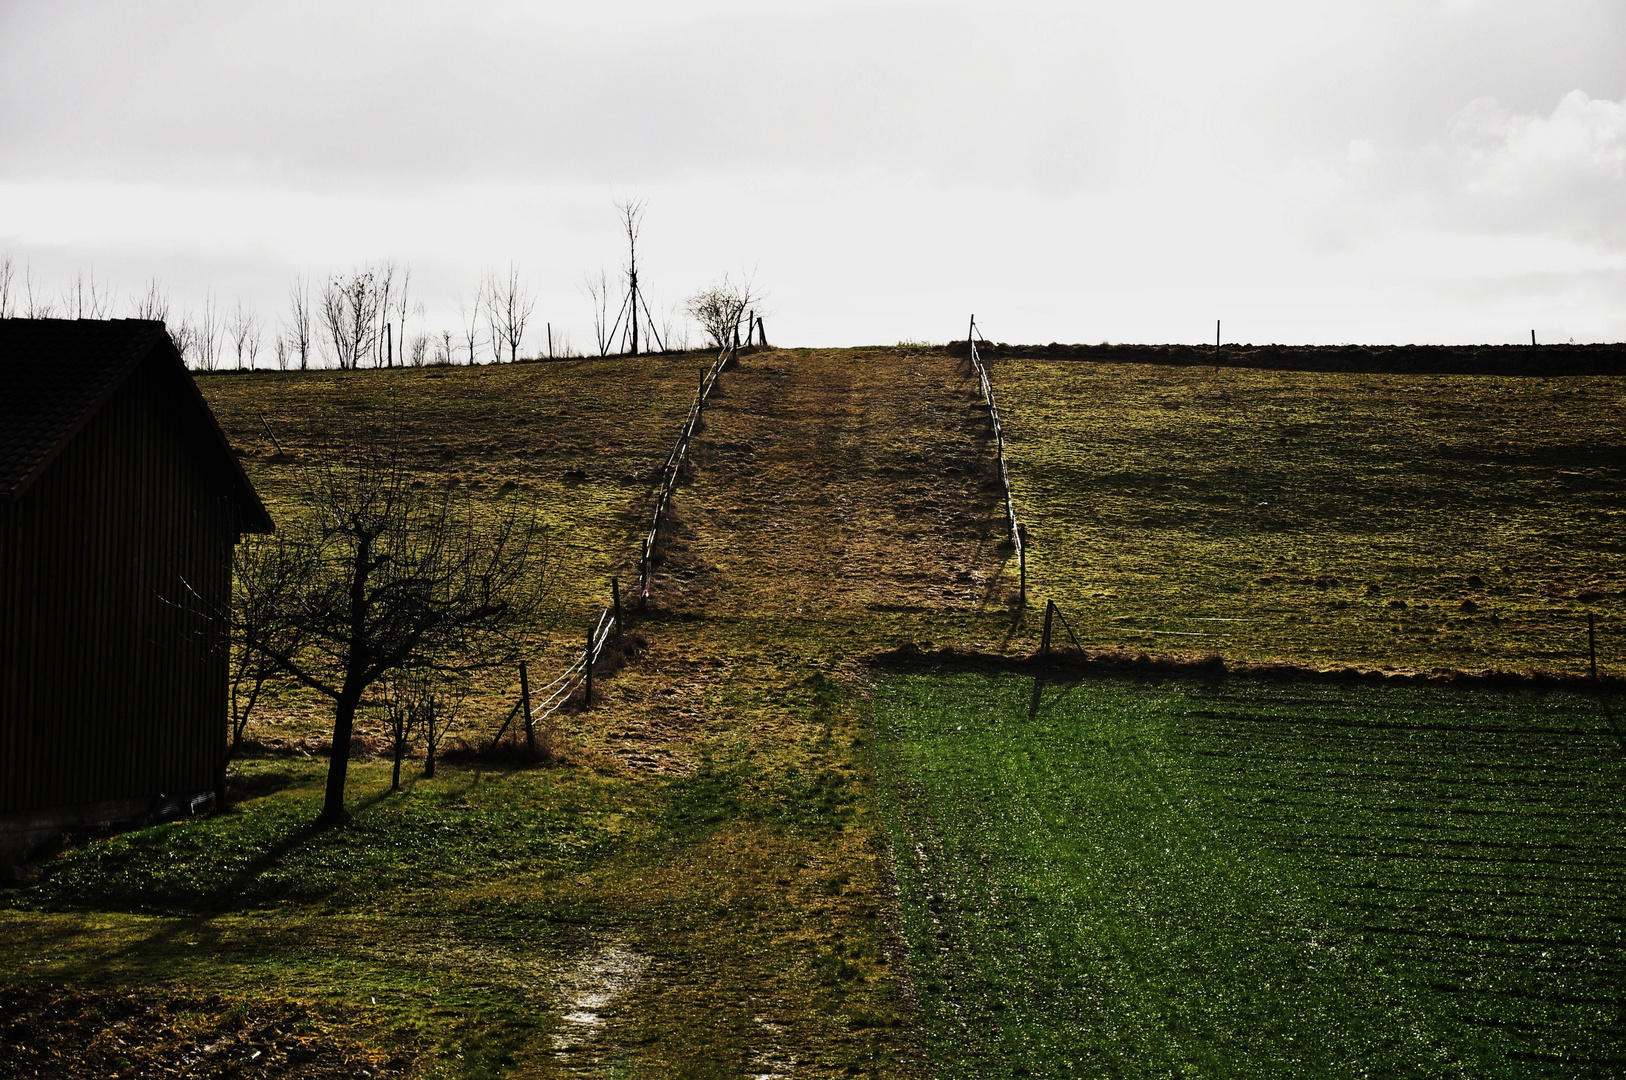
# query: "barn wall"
{"type": "Point", "coordinates": [115, 586]}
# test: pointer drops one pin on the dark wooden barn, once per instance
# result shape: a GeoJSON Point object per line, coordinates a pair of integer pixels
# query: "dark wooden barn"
{"type": "Point", "coordinates": [120, 503]}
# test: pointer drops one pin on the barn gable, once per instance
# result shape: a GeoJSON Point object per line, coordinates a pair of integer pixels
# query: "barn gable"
{"type": "Point", "coordinates": [120, 504]}
{"type": "Point", "coordinates": [57, 373]}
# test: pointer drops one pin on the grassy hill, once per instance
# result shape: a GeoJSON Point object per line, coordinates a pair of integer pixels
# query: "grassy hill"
{"type": "Point", "coordinates": [704, 886]}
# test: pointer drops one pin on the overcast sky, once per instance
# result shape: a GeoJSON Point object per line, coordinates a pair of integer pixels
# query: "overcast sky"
{"type": "Point", "coordinates": [1373, 171]}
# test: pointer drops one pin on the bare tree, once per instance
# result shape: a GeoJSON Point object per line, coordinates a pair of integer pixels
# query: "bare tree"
{"type": "Point", "coordinates": [383, 338]}
{"type": "Point", "coordinates": [443, 349]}
{"type": "Point", "coordinates": [299, 328]}
{"type": "Point", "coordinates": [510, 308]}
{"type": "Point", "coordinates": [264, 572]}
{"type": "Point", "coordinates": [350, 305]}
{"type": "Point", "coordinates": [598, 293]}
{"type": "Point", "coordinates": [184, 333]}
{"type": "Point", "coordinates": [401, 309]}
{"type": "Point", "coordinates": [631, 215]}
{"type": "Point", "coordinates": [444, 695]}
{"type": "Point", "coordinates": [391, 577]}
{"type": "Point", "coordinates": [244, 327]}
{"type": "Point", "coordinates": [419, 352]}
{"type": "Point", "coordinates": [488, 287]}
{"type": "Point", "coordinates": [152, 303]}
{"type": "Point", "coordinates": [8, 294]}
{"type": "Point", "coordinates": [674, 328]}
{"type": "Point", "coordinates": [404, 692]}
{"type": "Point", "coordinates": [208, 333]}
{"type": "Point", "coordinates": [282, 351]}
{"type": "Point", "coordinates": [471, 320]}
{"type": "Point", "coordinates": [38, 306]}
{"type": "Point", "coordinates": [86, 298]}
{"type": "Point", "coordinates": [719, 308]}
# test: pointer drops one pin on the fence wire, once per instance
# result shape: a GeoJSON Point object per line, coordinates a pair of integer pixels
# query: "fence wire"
{"type": "Point", "coordinates": [987, 385]}
{"type": "Point", "coordinates": [552, 696]}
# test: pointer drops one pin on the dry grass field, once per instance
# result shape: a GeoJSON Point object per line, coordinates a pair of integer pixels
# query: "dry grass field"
{"type": "Point", "coordinates": [1462, 521]}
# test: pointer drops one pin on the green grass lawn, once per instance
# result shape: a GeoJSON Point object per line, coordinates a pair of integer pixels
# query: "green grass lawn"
{"type": "Point", "coordinates": [1464, 521]}
{"type": "Point", "coordinates": [1126, 878]}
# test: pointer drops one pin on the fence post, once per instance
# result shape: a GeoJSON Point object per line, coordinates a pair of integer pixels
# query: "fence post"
{"type": "Point", "coordinates": [1592, 643]}
{"type": "Point", "coordinates": [1022, 565]}
{"type": "Point", "coordinates": [615, 591]}
{"type": "Point", "coordinates": [762, 333]}
{"type": "Point", "coordinates": [587, 658]}
{"type": "Point", "coordinates": [1044, 640]}
{"type": "Point", "coordinates": [525, 704]}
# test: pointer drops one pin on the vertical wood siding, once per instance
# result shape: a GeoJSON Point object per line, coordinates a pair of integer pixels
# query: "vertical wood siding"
{"type": "Point", "coordinates": [115, 578]}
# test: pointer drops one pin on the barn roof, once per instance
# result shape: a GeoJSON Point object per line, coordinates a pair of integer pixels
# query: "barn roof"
{"type": "Point", "coordinates": [56, 373]}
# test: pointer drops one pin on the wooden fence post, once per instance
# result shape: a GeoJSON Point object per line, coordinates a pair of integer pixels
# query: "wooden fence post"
{"type": "Point", "coordinates": [1592, 642]}
{"type": "Point", "coordinates": [550, 341]}
{"type": "Point", "coordinates": [762, 332]}
{"type": "Point", "coordinates": [615, 591]}
{"type": "Point", "coordinates": [1044, 640]}
{"type": "Point", "coordinates": [1022, 565]}
{"type": "Point", "coordinates": [525, 705]}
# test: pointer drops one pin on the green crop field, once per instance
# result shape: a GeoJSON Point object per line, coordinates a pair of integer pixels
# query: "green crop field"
{"type": "Point", "coordinates": [1124, 878]}
{"type": "Point", "coordinates": [1464, 521]}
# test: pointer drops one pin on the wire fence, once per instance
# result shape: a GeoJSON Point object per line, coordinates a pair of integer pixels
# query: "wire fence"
{"type": "Point", "coordinates": [537, 706]}
{"type": "Point", "coordinates": [1018, 541]}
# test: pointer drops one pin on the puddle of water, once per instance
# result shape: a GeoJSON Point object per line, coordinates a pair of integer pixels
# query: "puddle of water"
{"type": "Point", "coordinates": [591, 986]}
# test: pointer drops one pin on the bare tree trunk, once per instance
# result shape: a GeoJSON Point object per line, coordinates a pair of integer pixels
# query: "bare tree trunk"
{"type": "Point", "coordinates": [344, 726]}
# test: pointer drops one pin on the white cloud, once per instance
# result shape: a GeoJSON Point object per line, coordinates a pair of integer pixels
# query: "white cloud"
{"type": "Point", "coordinates": [1565, 171]}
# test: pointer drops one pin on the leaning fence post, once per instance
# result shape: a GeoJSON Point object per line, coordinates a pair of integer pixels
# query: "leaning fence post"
{"type": "Point", "coordinates": [643, 570]}
{"type": "Point", "coordinates": [525, 705]}
{"type": "Point", "coordinates": [615, 591]}
{"type": "Point", "coordinates": [1044, 639]}
{"type": "Point", "coordinates": [1022, 565]}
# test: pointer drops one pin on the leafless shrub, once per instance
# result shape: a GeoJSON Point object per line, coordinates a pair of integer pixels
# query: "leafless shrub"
{"type": "Point", "coordinates": [720, 308]}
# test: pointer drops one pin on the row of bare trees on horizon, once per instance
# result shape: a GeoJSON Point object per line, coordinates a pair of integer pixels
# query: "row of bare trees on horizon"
{"type": "Point", "coordinates": [360, 318]}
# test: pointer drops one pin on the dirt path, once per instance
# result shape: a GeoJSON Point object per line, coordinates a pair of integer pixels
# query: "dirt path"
{"type": "Point", "coordinates": [839, 485]}
{"type": "Point", "coordinates": [839, 503]}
